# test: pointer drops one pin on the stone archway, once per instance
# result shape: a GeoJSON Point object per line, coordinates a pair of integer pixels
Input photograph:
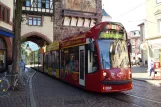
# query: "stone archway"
{"type": "Point", "coordinates": [37, 38]}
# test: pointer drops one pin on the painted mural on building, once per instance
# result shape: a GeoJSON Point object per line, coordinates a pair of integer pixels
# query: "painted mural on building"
{"type": "Point", "coordinates": [80, 5]}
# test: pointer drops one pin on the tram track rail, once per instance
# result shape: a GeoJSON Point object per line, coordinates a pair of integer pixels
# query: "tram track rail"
{"type": "Point", "coordinates": [125, 101]}
{"type": "Point", "coordinates": [124, 96]}
{"type": "Point", "coordinates": [154, 101]}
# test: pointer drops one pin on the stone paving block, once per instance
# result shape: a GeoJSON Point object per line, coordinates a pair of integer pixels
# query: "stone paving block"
{"type": "Point", "coordinates": [49, 92]}
{"type": "Point", "coordinates": [17, 98]}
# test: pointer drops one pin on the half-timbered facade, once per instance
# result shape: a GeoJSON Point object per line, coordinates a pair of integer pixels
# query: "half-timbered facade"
{"type": "Point", "coordinates": [37, 24]}
{"type": "Point", "coordinates": [6, 33]}
{"type": "Point", "coordinates": [67, 16]}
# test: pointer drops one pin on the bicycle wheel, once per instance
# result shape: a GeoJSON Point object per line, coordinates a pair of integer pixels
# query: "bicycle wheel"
{"type": "Point", "coordinates": [4, 85]}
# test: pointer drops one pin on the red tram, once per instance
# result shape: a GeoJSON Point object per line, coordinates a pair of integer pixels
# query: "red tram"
{"type": "Point", "coordinates": [97, 60]}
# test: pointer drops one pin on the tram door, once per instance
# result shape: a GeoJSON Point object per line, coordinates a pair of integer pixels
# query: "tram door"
{"type": "Point", "coordinates": [82, 65]}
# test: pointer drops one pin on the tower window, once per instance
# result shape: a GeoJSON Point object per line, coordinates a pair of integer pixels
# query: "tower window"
{"type": "Point", "coordinates": [35, 21]}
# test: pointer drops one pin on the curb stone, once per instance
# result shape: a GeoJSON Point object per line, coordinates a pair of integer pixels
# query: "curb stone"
{"type": "Point", "coordinates": [32, 100]}
{"type": "Point", "coordinates": [139, 80]}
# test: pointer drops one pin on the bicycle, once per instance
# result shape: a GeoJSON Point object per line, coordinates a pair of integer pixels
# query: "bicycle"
{"type": "Point", "coordinates": [19, 82]}
{"type": "Point", "coordinates": [4, 84]}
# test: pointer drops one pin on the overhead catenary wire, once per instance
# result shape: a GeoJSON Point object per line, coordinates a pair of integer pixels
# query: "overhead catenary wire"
{"type": "Point", "coordinates": [134, 8]}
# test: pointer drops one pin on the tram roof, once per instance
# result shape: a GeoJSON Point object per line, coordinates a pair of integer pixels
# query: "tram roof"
{"type": "Point", "coordinates": [78, 39]}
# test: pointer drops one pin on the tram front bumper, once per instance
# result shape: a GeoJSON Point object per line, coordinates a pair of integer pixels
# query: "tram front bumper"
{"type": "Point", "coordinates": [116, 86]}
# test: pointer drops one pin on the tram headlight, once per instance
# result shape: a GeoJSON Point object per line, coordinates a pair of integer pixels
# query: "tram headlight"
{"type": "Point", "coordinates": [104, 74]}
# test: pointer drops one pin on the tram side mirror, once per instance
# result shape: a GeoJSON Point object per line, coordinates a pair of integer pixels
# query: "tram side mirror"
{"type": "Point", "coordinates": [91, 47]}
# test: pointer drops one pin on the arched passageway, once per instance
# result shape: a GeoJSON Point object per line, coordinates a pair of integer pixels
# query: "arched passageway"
{"type": "Point", "coordinates": [37, 38]}
{"type": "Point", "coordinates": [29, 39]}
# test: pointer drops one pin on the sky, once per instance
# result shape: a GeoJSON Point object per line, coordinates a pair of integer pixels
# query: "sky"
{"type": "Point", "coordinates": [32, 45]}
{"type": "Point", "coordinates": [129, 12]}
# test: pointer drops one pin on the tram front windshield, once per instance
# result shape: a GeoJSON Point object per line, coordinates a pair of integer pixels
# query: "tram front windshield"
{"type": "Point", "coordinates": [113, 53]}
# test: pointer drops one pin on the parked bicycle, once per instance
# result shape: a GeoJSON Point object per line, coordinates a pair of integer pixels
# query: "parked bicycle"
{"type": "Point", "coordinates": [4, 84]}
{"type": "Point", "coordinates": [19, 82]}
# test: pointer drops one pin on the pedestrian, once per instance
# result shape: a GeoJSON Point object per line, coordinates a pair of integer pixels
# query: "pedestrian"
{"type": "Point", "coordinates": [22, 65]}
{"type": "Point", "coordinates": [152, 67]}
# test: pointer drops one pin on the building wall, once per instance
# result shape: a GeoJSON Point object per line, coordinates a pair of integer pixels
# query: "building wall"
{"type": "Point", "coordinates": [135, 42]}
{"type": "Point", "coordinates": [152, 30]}
{"type": "Point", "coordinates": [46, 28]}
{"type": "Point", "coordinates": [6, 33]}
{"type": "Point", "coordinates": [151, 19]}
{"type": "Point", "coordinates": [6, 25]}
{"type": "Point", "coordinates": [144, 54]}
{"type": "Point", "coordinates": [61, 31]}
{"type": "Point", "coordinates": [9, 4]}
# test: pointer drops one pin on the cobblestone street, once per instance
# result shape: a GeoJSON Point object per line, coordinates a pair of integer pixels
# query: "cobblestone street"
{"type": "Point", "coordinates": [17, 98]}
{"type": "Point", "coordinates": [49, 92]}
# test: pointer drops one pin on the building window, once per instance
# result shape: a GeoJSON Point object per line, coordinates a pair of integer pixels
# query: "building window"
{"type": "Point", "coordinates": [2, 55]}
{"type": "Point", "coordinates": [4, 13]}
{"type": "Point", "coordinates": [47, 3]}
{"type": "Point", "coordinates": [0, 12]}
{"type": "Point", "coordinates": [27, 3]}
{"type": "Point", "coordinates": [35, 21]}
{"type": "Point", "coordinates": [7, 15]}
{"type": "Point", "coordinates": [43, 3]}
{"type": "Point", "coordinates": [37, 3]}
{"type": "Point", "coordinates": [158, 1]}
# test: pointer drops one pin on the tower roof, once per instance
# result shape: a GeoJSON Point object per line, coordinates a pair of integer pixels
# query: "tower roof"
{"type": "Point", "coordinates": [104, 13]}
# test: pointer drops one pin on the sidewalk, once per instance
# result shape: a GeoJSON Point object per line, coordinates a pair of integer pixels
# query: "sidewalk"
{"type": "Point", "coordinates": [17, 98]}
{"type": "Point", "coordinates": [141, 74]}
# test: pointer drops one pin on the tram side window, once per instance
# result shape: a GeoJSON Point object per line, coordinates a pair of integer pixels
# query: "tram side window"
{"type": "Point", "coordinates": [49, 60]}
{"type": "Point", "coordinates": [46, 61]}
{"type": "Point", "coordinates": [71, 59]}
{"type": "Point", "coordinates": [74, 56]}
{"type": "Point", "coordinates": [55, 60]}
{"type": "Point", "coordinates": [62, 60]}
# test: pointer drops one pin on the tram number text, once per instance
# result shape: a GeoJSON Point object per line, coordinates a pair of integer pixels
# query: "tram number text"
{"type": "Point", "coordinates": [108, 88]}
